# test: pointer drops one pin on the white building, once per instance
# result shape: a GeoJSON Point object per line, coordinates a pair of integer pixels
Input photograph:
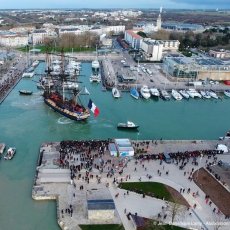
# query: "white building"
{"type": "Point", "coordinates": [133, 39]}
{"type": "Point", "coordinates": [94, 29]}
{"type": "Point", "coordinates": [22, 29]}
{"type": "Point", "coordinates": [39, 35]}
{"type": "Point", "coordinates": [152, 50]}
{"type": "Point", "coordinates": [155, 49]}
{"type": "Point", "coordinates": [13, 40]}
{"type": "Point", "coordinates": [219, 53]}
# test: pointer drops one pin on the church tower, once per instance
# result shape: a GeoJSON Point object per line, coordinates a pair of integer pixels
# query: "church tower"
{"type": "Point", "coordinates": [159, 20]}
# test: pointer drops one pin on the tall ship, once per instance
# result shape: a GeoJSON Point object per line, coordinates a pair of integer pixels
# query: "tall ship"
{"type": "Point", "coordinates": [65, 100]}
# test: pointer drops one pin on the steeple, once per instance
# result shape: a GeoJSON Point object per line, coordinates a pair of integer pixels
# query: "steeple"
{"type": "Point", "coordinates": [159, 19]}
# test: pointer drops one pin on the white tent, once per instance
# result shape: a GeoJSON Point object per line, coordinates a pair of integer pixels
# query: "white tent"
{"type": "Point", "coordinates": [222, 147]}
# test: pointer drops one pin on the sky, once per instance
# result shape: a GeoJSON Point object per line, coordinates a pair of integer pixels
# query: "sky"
{"type": "Point", "coordinates": [176, 4]}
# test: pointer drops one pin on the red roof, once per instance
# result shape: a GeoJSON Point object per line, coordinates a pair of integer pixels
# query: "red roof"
{"type": "Point", "coordinates": [134, 35]}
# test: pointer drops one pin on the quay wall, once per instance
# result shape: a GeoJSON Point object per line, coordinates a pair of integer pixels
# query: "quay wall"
{"type": "Point", "coordinates": [11, 88]}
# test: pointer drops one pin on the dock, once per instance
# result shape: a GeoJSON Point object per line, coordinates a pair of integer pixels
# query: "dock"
{"type": "Point", "coordinates": [72, 186]}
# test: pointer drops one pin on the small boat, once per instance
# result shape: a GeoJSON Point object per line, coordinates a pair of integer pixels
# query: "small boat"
{"type": "Point", "coordinates": [205, 94]}
{"type": "Point", "coordinates": [28, 73]}
{"type": "Point", "coordinates": [145, 92]}
{"type": "Point", "coordinates": [10, 153]}
{"type": "Point", "coordinates": [25, 92]}
{"type": "Point", "coordinates": [165, 95]}
{"type": "Point", "coordinates": [176, 95]}
{"type": "Point", "coordinates": [128, 125]}
{"type": "Point", "coordinates": [227, 93]}
{"type": "Point", "coordinates": [155, 92]}
{"type": "Point", "coordinates": [184, 94]}
{"type": "Point", "coordinates": [213, 94]}
{"type": "Point", "coordinates": [134, 93]}
{"type": "Point", "coordinates": [116, 92]}
{"type": "Point", "coordinates": [95, 78]}
{"type": "Point", "coordinates": [193, 93]}
{"type": "Point", "coordinates": [35, 63]}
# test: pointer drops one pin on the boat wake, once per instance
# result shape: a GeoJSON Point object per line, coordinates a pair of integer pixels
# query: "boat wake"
{"type": "Point", "coordinates": [64, 121]}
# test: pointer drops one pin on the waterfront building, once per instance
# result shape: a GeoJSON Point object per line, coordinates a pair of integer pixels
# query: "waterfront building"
{"type": "Point", "coordinates": [202, 68]}
{"type": "Point", "coordinates": [154, 50]}
{"type": "Point", "coordinates": [11, 39]}
{"type": "Point", "coordinates": [133, 39]}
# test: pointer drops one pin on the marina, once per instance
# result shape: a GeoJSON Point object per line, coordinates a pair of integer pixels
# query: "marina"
{"type": "Point", "coordinates": [163, 120]}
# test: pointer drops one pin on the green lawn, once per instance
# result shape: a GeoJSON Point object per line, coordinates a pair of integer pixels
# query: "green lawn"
{"type": "Point", "coordinates": [154, 189]}
{"type": "Point", "coordinates": [57, 49]}
{"type": "Point", "coordinates": [102, 227]}
{"type": "Point", "coordinates": [171, 227]}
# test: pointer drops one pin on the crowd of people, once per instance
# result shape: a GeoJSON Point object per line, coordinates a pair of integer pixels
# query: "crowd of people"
{"type": "Point", "coordinates": [77, 155]}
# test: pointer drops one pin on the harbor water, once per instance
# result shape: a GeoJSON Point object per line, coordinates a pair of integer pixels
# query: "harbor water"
{"type": "Point", "coordinates": [26, 122]}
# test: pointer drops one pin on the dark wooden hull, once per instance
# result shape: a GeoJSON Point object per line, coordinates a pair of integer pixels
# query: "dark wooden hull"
{"type": "Point", "coordinates": [64, 113]}
{"type": "Point", "coordinates": [25, 92]}
{"type": "Point", "coordinates": [128, 128]}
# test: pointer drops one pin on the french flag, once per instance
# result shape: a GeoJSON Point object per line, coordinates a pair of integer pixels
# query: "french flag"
{"type": "Point", "coordinates": [93, 108]}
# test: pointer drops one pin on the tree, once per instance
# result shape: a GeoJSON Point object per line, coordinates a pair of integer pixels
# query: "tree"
{"type": "Point", "coordinates": [142, 34]}
{"type": "Point", "coordinates": [160, 35]}
{"type": "Point", "coordinates": [175, 210]}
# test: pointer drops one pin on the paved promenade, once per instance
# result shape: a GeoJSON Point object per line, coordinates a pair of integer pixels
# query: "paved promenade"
{"type": "Point", "coordinates": [73, 191]}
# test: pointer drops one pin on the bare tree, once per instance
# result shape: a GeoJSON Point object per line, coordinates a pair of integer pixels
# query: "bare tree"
{"type": "Point", "coordinates": [160, 35]}
{"type": "Point", "coordinates": [175, 210]}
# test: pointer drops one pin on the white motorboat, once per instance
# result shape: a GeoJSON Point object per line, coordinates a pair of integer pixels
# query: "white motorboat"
{"type": "Point", "coordinates": [145, 92]}
{"type": "Point", "coordinates": [176, 95]}
{"type": "Point", "coordinates": [29, 73]}
{"type": "Point", "coordinates": [35, 63]}
{"type": "Point", "coordinates": [116, 92]}
{"type": "Point", "coordinates": [205, 94]}
{"type": "Point", "coordinates": [165, 95]}
{"type": "Point", "coordinates": [129, 125]}
{"type": "Point", "coordinates": [213, 94]}
{"type": "Point", "coordinates": [227, 93]}
{"type": "Point", "coordinates": [155, 92]}
{"type": "Point", "coordinates": [95, 78]}
{"type": "Point", "coordinates": [193, 93]}
{"type": "Point", "coordinates": [10, 153]}
{"type": "Point", "coordinates": [184, 94]}
{"type": "Point", "coordinates": [70, 85]}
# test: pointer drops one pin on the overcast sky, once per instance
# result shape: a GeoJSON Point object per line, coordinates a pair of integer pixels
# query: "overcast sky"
{"type": "Point", "coordinates": [188, 4]}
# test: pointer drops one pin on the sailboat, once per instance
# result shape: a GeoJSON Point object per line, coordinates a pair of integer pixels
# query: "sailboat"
{"type": "Point", "coordinates": [96, 76]}
{"type": "Point", "coordinates": [29, 72]}
{"type": "Point", "coordinates": [63, 101]}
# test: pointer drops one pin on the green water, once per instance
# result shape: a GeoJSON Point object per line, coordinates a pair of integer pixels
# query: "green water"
{"type": "Point", "coordinates": [26, 122]}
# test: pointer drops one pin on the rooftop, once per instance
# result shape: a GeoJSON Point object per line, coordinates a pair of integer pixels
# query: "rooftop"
{"type": "Point", "coordinates": [131, 33]}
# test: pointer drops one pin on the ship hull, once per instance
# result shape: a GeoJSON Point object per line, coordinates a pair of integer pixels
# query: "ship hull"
{"type": "Point", "coordinates": [66, 113]}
